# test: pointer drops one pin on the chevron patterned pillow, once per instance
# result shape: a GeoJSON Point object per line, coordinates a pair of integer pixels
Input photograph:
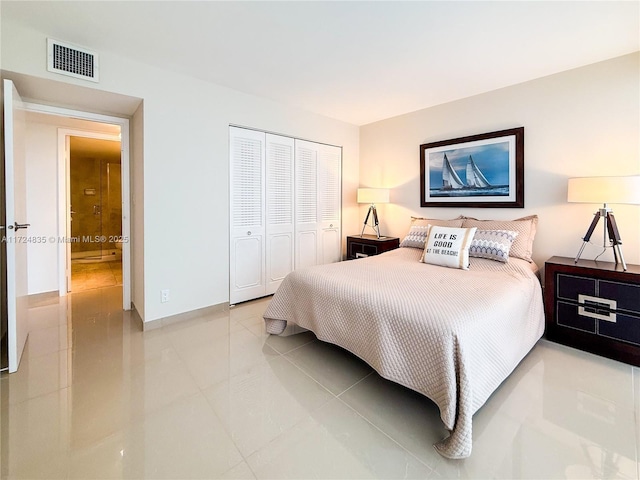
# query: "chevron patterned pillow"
{"type": "Point", "coordinates": [526, 227]}
{"type": "Point", "coordinates": [420, 229]}
{"type": "Point", "coordinates": [416, 237]}
{"type": "Point", "coordinates": [492, 244]}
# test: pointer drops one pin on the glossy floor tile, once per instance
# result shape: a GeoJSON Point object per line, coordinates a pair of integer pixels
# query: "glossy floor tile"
{"type": "Point", "coordinates": [257, 405]}
{"type": "Point", "coordinates": [87, 275]}
{"type": "Point", "coordinates": [217, 397]}
{"type": "Point", "coordinates": [335, 442]}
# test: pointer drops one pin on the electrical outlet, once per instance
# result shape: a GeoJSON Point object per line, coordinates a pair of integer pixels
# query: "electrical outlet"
{"type": "Point", "coordinates": [164, 296]}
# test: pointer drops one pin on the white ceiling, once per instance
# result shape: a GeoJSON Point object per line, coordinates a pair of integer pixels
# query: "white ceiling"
{"type": "Point", "coordinates": [356, 61]}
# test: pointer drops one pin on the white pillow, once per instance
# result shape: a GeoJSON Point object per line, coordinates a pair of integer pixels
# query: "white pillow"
{"type": "Point", "coordinates": [448, 246]}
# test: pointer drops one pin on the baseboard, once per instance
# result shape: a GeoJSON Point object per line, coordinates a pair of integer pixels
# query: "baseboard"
{"type": "Point", "coordinates": [181, 317]}
{"type": "Point", "coordinates": [136, 317]}
{"type": "Point", "coordinates": [42, 299]}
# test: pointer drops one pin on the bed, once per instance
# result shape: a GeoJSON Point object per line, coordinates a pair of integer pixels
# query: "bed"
{"type": "Point", "coordinates": [453, 335]}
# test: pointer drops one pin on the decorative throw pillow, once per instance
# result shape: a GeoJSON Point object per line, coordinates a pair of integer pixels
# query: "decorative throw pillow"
{"type": "Point", "coordinates": [416, 237]}
{"type": "Point", "coordinates": [420, 229]}
{"type": "Point", "coordinates": [448, 246]}
{"type": "Point", "coordinates": [492, 244]}
{"type": "Point", "coordinates": [526, 227]}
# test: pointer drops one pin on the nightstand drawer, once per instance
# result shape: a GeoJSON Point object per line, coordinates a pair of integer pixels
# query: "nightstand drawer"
{"type": "Point", "coordinates": [570, 286]}
{"type": "Point", "coordinates": [626, 328]}
{"type": "Point", "coordinates": [567, 316]}
{"type": "Point", "coordinates": [359, 250]}
{"type": "Point", "coordinates": [359, 246]}
{"type": "Point", "coordinates": [627, 296]}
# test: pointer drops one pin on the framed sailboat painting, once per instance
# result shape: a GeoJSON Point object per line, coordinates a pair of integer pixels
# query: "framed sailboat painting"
{"type": "Point", "coordinates": [485, 170]}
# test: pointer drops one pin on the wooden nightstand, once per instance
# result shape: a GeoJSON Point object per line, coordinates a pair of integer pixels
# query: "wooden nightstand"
{"type": "Point", "coordinates": [594, 306]}
{"type": "Point", "coordinates": [368, 245]}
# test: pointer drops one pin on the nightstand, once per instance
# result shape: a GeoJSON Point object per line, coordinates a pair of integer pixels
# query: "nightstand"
{"type": "Point", "coordinates": [594, 306]}
{"type": "Point", "coordinates": [368, 245]}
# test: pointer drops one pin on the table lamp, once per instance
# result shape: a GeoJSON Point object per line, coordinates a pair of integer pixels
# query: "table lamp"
{"type": "Point", "coordinates": [605, 190]}
{"type": "Point", "coordinates": [372, 196]}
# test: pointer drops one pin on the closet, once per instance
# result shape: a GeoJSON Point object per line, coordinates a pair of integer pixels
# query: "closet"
{"type": "Point", "coordinates": [285, 208]}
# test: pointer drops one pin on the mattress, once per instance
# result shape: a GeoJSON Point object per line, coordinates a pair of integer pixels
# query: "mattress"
{"type": "Point", "coordinates": [452, 335]}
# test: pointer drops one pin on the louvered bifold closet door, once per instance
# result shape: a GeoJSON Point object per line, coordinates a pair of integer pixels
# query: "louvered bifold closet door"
{"type": "Point", "coordinates": [329, 203]}
{"type": "Point", "coordinates": [306, 204]}
{"type": "Point", "coordinates": [279, 210]}
{"type": "Point", "coordinates": [247, 215]}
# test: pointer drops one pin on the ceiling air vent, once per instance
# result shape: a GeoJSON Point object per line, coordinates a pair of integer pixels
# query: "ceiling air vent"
{"type": "Point", "coordinates": [71, 60]}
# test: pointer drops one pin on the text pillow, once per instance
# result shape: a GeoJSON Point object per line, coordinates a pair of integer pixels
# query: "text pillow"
{"type": "Point", "coordinates": [448, 247]}
{"type": "Point", "coordinates": [492, 244]}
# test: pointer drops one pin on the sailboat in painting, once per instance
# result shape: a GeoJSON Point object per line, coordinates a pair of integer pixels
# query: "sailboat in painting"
{"type": "Point", "coordinates": [475, 178]}
{"type": "Point", "coordinates": [450, 178]}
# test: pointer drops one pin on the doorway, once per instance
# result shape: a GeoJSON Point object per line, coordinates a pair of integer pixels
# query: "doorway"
{"type": "Point", "coordinates": [96, 131]}
{"type": "Point", "coordinates": [95, 210]}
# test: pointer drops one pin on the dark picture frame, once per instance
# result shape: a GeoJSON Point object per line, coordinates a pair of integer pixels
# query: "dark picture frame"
{"type": "Point", "coordinates": [485, 170]}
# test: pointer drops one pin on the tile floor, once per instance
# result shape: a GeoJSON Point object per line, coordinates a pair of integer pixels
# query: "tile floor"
{"type": "Point", "coordinates": [216, 397]}
{"type": "Point", "coordinates": [87, 275]}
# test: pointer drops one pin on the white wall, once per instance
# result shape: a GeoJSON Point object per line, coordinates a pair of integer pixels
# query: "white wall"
{"type": "Point", "coordinates": [137, 209]}
{"type": "Point", "coordinates": [583, 122]}
{"type": "Point", "coordinates": [42, 195]}
{"type": "Point", "coordinates": [185, 187]}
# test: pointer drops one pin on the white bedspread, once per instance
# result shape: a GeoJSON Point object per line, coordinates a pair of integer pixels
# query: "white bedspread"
{"type": "Point", "coordinates": [452, 335]}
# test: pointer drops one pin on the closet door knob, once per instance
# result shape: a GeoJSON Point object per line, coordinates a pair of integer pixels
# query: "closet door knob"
{"type": "Point", "coordinates": [249, 232]}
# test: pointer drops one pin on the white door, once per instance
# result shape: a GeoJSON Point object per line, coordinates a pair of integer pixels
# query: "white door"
{"type": "Point", "coordinates": [329, 202]}
{"type": "Point", "coordinates": [306, 201]}
{"type": "Point", "coordinates": [279, 210]}
{"type": "Point", "coordinates": [247, 217]}
{"type": "Point", "coordinates": [15, 226]}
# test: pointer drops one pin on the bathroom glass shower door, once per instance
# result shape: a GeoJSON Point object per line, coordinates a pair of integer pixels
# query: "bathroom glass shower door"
{"type": "Point", "coordinates": [86, 208]}
{"type": "Point", "coordinates": [96, 199]}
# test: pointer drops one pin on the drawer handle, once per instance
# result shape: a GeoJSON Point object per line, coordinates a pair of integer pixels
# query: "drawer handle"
{"type": "Point", "coordinates": [587, 302]}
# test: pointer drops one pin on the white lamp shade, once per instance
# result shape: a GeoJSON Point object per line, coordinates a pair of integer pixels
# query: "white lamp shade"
{"type": "Point", "coordinates": [605, 190]}
{"type": "Point", "coordinates": [373, 195]}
